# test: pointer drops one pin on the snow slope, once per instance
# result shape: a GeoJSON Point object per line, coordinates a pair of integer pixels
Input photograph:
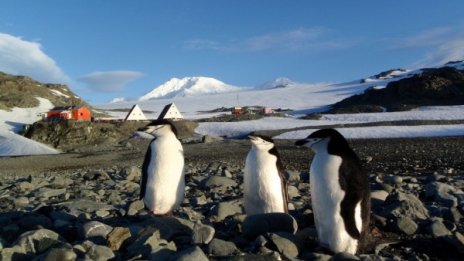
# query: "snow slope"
{"type": "Point", "coordinates": [12, 144]}
{"type": "Point", "coordinates": [189, 86]}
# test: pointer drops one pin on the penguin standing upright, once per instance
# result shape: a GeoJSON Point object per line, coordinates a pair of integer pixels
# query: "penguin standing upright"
{"type": "Point", "coordinates": [163, 182]}
{"type": "Point", "coordinates": [340, 192]}
{"type": "Point", "coordinates": [265, 186]}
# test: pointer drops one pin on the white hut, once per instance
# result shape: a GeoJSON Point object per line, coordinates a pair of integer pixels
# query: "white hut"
{"type": "Point", "coordinates": [170, 111]}
{"type": "Point", "coordinates": [135, 114]}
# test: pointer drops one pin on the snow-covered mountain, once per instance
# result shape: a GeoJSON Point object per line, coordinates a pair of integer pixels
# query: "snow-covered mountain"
{"type": "Point", "coordinates": [187, 87]}
{"type": "Point", "coordinates": [280, 82]}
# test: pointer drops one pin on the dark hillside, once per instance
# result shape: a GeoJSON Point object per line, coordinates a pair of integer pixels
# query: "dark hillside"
{"type": "Point", "coordinates": [433, 87]}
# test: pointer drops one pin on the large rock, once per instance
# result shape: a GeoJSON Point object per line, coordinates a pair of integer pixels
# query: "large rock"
{"type": "Point", "coordinates": [118, 237]}
{"type": "Point", "coordinates": [202, 234]}
{"type": "Point", "coordinates": [190, 254]}
{"type": "Point", "coordinates": [287, 244]}
{"type": "Point", "coordinates": [218, 182]}
{"type": "Point", "coordinates": [400, 204]}
{"type": "Point", "coordinates": [260, 224]}
{"type": "Point", "coordinates": [442, 193]}
{"type": "Point", "coordinates": [96, 231]}
{"type": "Point", "coordinates": [219, 247]}
{"type": "Point", "coordinates": [147, 241]}
{"type": "Point", "coordinates": [227, 208]}
{"type": "Point", "coordinates": [38, 241]}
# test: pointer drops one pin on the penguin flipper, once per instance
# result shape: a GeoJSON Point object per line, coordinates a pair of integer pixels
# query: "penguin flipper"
{"type": "Point", "coordinates": [348, 175]}
{"type": "Point", "coordinates": [347, 211]}
{"type": "Point", "coordinates": [146, 162]}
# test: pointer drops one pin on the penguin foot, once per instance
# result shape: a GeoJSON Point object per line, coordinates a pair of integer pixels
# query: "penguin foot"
{"type": "Point", "coordinates": [168, 214]}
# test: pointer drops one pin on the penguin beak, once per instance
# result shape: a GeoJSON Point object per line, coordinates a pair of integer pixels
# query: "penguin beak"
{"type": "Point", "coordinates": [308, 142]}
{"type": "Point", "coordinates": [301, 142]}
{"type": "Point", "coordinates": [252, 138]}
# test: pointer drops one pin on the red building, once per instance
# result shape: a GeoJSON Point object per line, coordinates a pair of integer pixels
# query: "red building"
{"type": "Point", "coordinates": [237, 110]}
{"type": "Point", "coordinates": [81, 113]}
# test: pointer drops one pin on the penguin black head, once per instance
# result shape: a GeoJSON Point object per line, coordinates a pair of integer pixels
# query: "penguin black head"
{"type": "Point", "coordinates": [159, 128]}
{"type": "Point", "coordinates": [261, 142]}
{"type": "Point", "coordinates": [329, 139]}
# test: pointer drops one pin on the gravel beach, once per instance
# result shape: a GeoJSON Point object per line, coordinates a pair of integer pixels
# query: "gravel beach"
{"type": "Point", "coordinates": [85, 206]}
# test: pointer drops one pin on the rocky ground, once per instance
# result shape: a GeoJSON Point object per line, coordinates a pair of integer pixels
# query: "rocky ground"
{"type": "Point", "coordinates": [84, 205]}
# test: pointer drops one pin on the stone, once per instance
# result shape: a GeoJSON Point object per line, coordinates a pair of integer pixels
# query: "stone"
{"type": "Point", "coordinates": [60, 254]}
{"type": "Point", "coordinates": [292, 175]}
{"type": "Point", "coordinates": [146, 241]}
{"type": "Point", "coordinates": [49, 193]}
{"type": "Point", "coordinates": [96, 175]}
{"type": "Point", "coordinates": [14, 253]}
{"type": "Point", "coordinates": [134, 207]}
{"type": "Point", "coordinates": [37, 241]}
{"type": "Point", "coordinates": [287, 244]}
{"type": "Point", "coordinates": [118, 237]}
{"type": "Point", "coordinates": [438, 229]}
{"type": "Point", "coordinates": [21, 202]}
{"type": "Point", "coordinates": [399, 204]}
{"type": "Point", "coordinates": [202, 234]}
{"type": "Point", "coordinates": [293, 192]}
{"type": "Point", "coordinates": [219, 247]}
{"type": "Point", "coordinates": [378, 197]}
{"type": "Point", "coordinates": [442, 193]}
{"type": "Point", "coordinates": [406, 225]}
{"type": "Point", "coordinates": [452, 215]}
{"type": "Point", "coordinates": [199, 201]}
{"type": "Point", "coordinates": [131, 173]}
{"type": "Point", "coordinates": [190, 254]}
{"type": "Point", "coordinates": [260, 224]}
{"type": "Point", "coordinates": [61, 182]}
{"type": "Point", "coordinates": [227, 208]}
{"type": "Point", "coordinates": [25, 186]}
{"type": "Point", "coordinates": [220, 182]}
{"type": "Point", "coordinates": [96, 230]}
{"type": "Point", "coordinates": [97, 252]}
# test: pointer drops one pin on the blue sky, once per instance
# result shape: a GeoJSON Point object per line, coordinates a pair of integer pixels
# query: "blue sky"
{"type": "Point", "coordinates": [107, 49]}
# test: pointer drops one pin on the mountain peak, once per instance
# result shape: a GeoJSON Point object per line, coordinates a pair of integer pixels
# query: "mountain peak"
{"type": "Point", "coordinates": [188, 86]}
{"type": "Point", "coordinates": [280, 82]}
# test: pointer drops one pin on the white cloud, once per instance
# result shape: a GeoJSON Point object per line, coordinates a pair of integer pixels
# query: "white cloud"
{"type": "Point", "coordinates": [112, 81]}
{"type": "Point", "coordinates": [301, 39]}
{"type": "Point", "coordinates": [452, 50]}
{"type": "Point", "coordinates": [289, 40]}
{"type": "Point", "coordinates": [21, 57]}
{"type": "Point", "coordinates": [434, 36]}
{"type": "Point", "coordinates": [443, 44]}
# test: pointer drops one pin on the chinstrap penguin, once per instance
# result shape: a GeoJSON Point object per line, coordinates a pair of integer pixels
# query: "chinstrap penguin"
{"type": "Point", "coordinates": [163, 182]}
{"type": "Point", "coordinates": [340, 192]}
{"type": "Point", "coordinates": [265, 186]}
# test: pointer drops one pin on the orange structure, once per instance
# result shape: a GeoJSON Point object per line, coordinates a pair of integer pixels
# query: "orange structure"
{"type": "Point", "coordinates": [69, 113]}
{"type": "Point", "coordinates": [237, 110]}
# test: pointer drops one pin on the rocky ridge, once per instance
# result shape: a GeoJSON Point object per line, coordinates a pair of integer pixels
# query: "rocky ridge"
{"type": "Point", "coordinates": [431, 87]}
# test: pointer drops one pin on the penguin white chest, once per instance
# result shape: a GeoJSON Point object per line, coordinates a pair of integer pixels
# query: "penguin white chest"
{"type": "Point", "coordinates": [262, 185]}
{"type": "Point", "coordinates": [326, 197]}
{"type": "Point", "coordinates": [165, 182]}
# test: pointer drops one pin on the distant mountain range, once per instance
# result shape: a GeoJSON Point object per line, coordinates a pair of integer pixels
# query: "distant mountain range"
{"type": "Point", "coordinates": [396, 89]}
{"type": "Point", "coordinates": [189, 86]}
{"type": "Point", "coordinates": [194, 86]}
